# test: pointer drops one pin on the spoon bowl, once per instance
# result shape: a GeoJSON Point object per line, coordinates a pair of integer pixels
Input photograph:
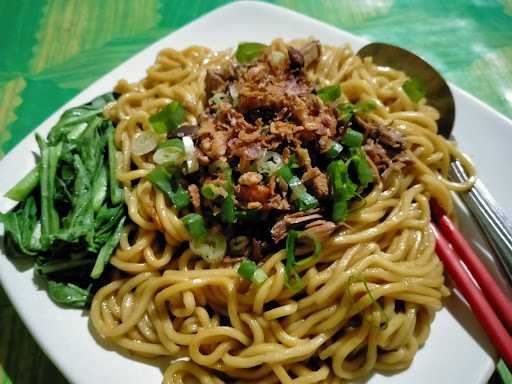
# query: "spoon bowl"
{"type": "Point", "coordinates": [493, 222]}
{"type": "Point", "coordinates": [438, 92]}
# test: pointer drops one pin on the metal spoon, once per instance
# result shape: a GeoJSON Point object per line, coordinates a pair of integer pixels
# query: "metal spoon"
{"type": "Point", "coordinates": [494, 224]}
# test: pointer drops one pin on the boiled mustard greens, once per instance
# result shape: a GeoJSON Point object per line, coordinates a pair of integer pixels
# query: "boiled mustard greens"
{"type": "Point", "coordinates": [71, 212]}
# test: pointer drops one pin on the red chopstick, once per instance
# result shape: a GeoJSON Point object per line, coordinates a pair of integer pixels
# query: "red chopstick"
{"type": "Point", "coordinates": [476, 299]}
{"type": "Point", "coordinates": [499, 301]}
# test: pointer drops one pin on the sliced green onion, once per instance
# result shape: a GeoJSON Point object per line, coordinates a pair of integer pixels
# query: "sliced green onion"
{"type": "Point", "coordinates": [217, 166]}
{"type": "Point", "coordinates": [343, 189]}
{"type": "Point", "coordinates": [169, 156]}
{"type": "Point", "coordinates": [181, 198]}
{"type": "Point", "coordinates": [168, 119]}
{"type": "Point", "coordinates": [247, 52]}
{"type": "Point", "coordinates": [285, 173]}
{"type": "Point", "coordinates": [334, 151]}
{"type": "Point", "coordinates": [144, 142]}
{"type": "Point", "coordinates": [364, 171]}
{"type": "Point", "coordinates": [227, 212]}
{"type": "Point", "coordinates": [414, 90]}
{"type": "Point", "coordinates": [192, 164]}
{"type": "Point", "coordinates": [212, 191]}
{"type": "Point", "coordinates": [175, 142]}
{"type": "Point", "coordinates": [366, 106]}
{"type": "Point", "coordinates": [250, 271]}
{"type": "Point", "coordinates": [162, 180]}
{"type": "Point", "coordinates": [293, 280]}
{"type": "Point", "coordinates": [347, 110]}
{"type": "Point", "coordinates": [358, 277]}
{"type": "Point", "coordinates": [292, 162]}
{"type": "Point", "coordinates": [329, 93]}
{"type": "Point", "coordinates": [259, 276]}
{"type": "Point", "coordinates": [195, 225]}
{"type": "Point", "coordinates": [212, 247]}
{"type": "Point", "coordinates": [300, 195]}
{"type": "Point", "coordinates": [270, 163]}
{"type": "Point", "coordinates": [352, 138]}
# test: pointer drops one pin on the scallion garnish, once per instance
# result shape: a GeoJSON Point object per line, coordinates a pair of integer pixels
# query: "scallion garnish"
{"type": "Point", "coordinates": [211, 191]}
{"type": "Point", "coordinates": [329, 93]}
{"type": "Point", "coordinates": [227, 212]}
{"type": "Point", "coordinates": [347, 110]}
{"type": "Point", "coordinates": [352, 138]}
{"type": "Point", "coordinates": [414, 90]}
{"type": "Point", "coordinates": [293, 280]}
{"type": "Point", "coordinates": [300, 195]}
{"type": "Point", "coordinates": [212, 247]}
{"type": "Point", "coordinates": [161, 178]}
{"type": "Point", "coordinates": [250, 271]}
{"type": "Point", "coordinates": [364, 172]}
{"type": "Point", "coordinates": [247, 52]}
{"type": "Point", "coordinates": [195, 225]}
{"type": "Point", "coordinates": [168, 119]}
{"type": "Point", "coordinates": [334, 151]}
{"type": "Point", "coordinates": [343, 189]}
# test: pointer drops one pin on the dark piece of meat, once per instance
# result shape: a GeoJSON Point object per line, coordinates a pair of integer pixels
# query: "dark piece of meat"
{"type": "Point", "coordinates": [310, 52]}
{"type": "Point", "coordinates": [280, 228]}
{"type": "Point", "coordinates": [256, 250]}
{"type": "Point", "coordinates": [383, 160]}
{"type": "Point", "coordinates": [296, 59]}
{"type": "Point", "coordinates": [214, 82]}
{"type": "Point", "coordinates": [384, 146]}
{"type": "Point", "coordinates": [321, 229]}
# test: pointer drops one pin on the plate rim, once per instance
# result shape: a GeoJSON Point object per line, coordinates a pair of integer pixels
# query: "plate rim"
{"type": "Point", "coordinates": [54, 357]}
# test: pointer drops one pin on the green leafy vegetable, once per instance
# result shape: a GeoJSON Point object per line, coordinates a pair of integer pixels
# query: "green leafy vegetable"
{"type": "Point", "coordinates": [249, 270]}
{"type": "Point", "coordinates": [168, 119]}
{"type": "Point", "coordinates": [247, 52]}
{"type": "Point", "coordinates": [116, 193]}
{"type": "Point", "coordinates": [195, 225]}
{"type": "Point", "coordinates": [106, 251]}
{"type": "Point", "coordinates": [69, 294]}
{"type": "Point", "coordinates": [329, 93]}
{"type": "Point", "coordinates": [19, 228]}
{"type": "Point", "coordinates": [71, 211]}
{"type": "Point", "coordinates": [414, 90]}
{"type": "Point", "coordinates": [25, 186]}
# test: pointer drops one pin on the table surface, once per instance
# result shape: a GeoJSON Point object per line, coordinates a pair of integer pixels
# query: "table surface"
{"type": "Point", "coordinates": [53, 49]}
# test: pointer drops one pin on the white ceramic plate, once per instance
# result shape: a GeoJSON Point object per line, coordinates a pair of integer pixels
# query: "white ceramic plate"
{"type": "Point", "coordinates": [457, 350]}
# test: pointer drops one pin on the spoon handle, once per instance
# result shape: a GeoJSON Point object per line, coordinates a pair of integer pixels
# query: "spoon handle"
{"type": "Point", "coordinates": [493, 222]}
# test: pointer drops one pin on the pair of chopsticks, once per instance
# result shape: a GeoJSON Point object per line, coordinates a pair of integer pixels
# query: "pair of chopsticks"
{"type": "Point", "coordinates": [491, 306]}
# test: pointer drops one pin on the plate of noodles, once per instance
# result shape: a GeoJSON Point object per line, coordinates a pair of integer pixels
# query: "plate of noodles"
{"type": "Point", "coordinates": [247, 205]}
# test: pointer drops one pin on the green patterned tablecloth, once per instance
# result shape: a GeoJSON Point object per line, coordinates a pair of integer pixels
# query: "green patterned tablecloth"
{"type": "Point", "coordinates": [50, 50]}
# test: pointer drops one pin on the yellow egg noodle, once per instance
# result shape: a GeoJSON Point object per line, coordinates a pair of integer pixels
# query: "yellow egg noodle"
{"type": "Point", "coordinates": [367, 302]}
